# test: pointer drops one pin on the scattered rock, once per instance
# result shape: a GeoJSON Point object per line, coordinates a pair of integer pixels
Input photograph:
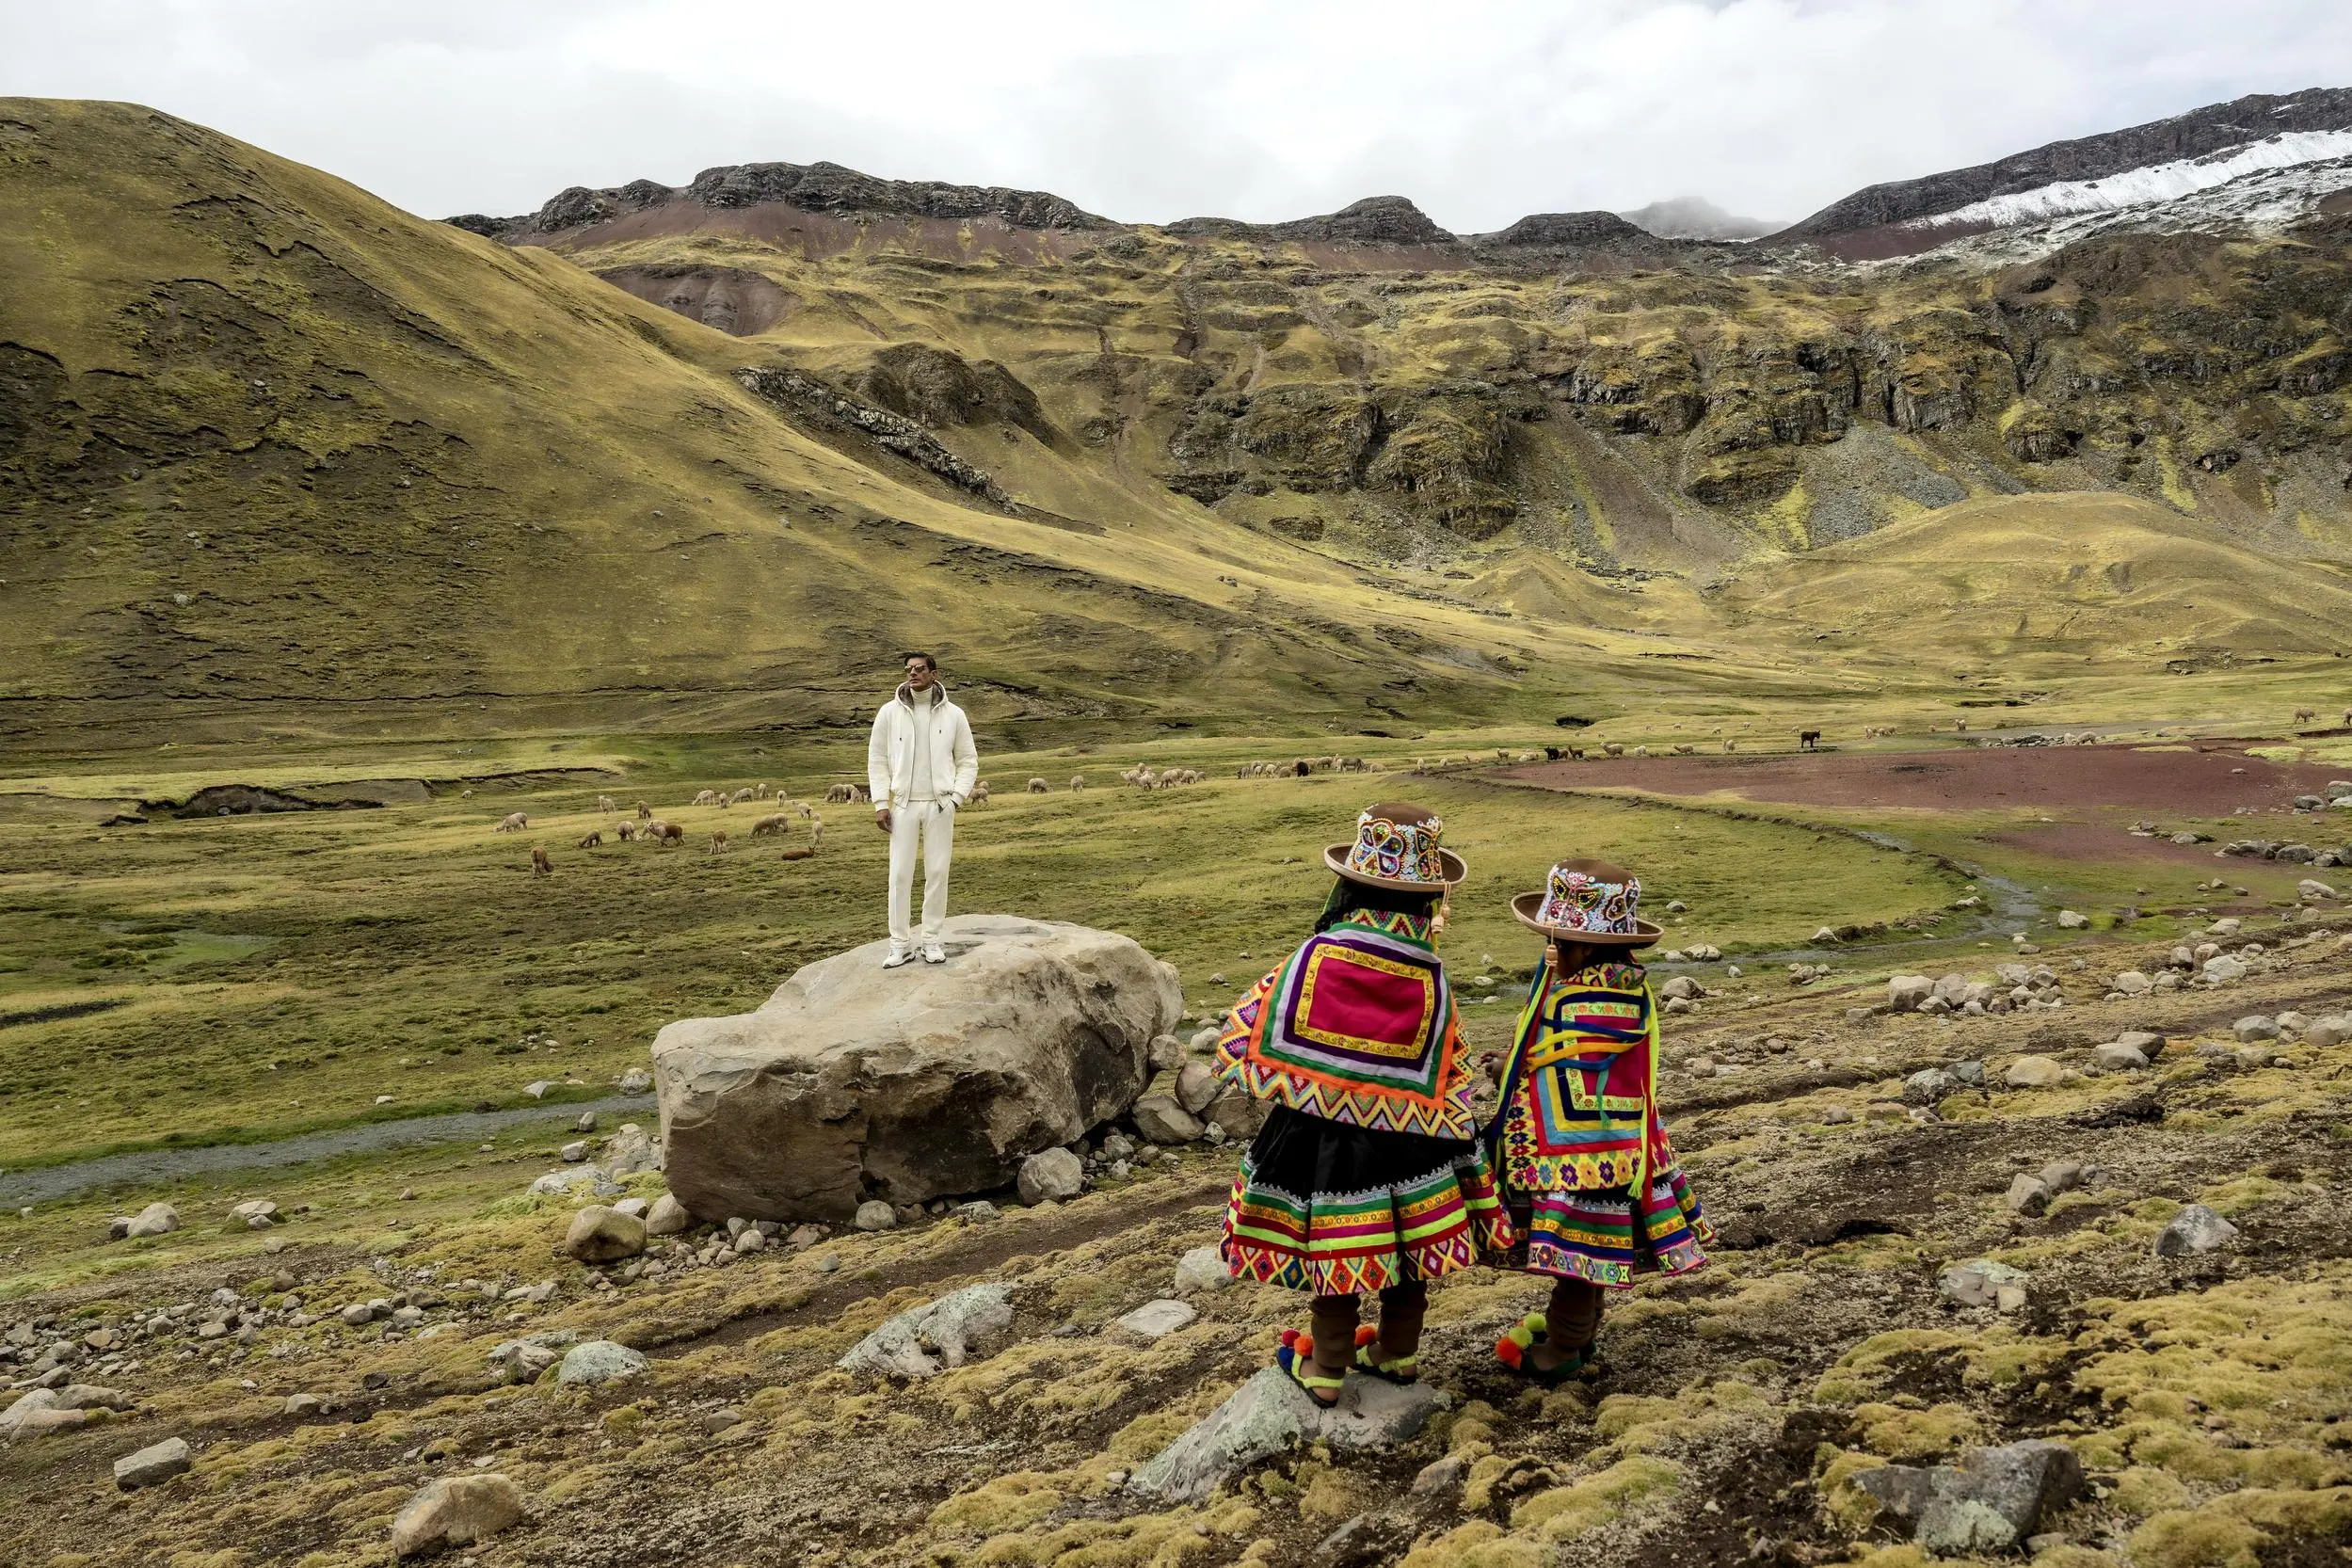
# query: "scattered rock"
{"type": "Point", "coordinates": [668, 1217]}
{"type": "Point", "coordinates": [2116, 1057]}
{"type": "Point", "coordinates": [629, 1150]}
{"type": "Point", "coordinates": [1441, 1476]}
{"type": "Point", "coordinates": [1051, 1175]}
{"type": "Point", "coordinates": [1156, 1320]}
{"type": "Point", "coordinates": [156, 1218]}
{"type": "Point", "coordinates": [573, 1152]}
{"type": "Point", "coordinates": [1166, 1053]}
{"type": "Point", "coordinates": [2148, 1043]}
{"type": "Point", "coordinates": [304, 1404]}
{"type": "Point", "coordinates": [456, 1511]}
{"type": "Point", "coordinates": [1905, 992]}
{"type": "Point", "coordinates": [1987, 1503]}
{"type": "Point", "coordinates": [2032, 1072]}
{"type": "Point", "coordinates": [2255, 1026]}
{"type": "Point", "coordinates": [874, 1214]}
{"type": "Point", "coordinates": [1195, 1086]}
{"type": "Point", "coordinates": [601, 1235]}
{"type": "Point", "coordinates": [2133, 983]}
{"type": "Point", "coordinates": [1836, 1115]}
{"type": "Point", "coordinates": [580, 1181]}
{"type": "Point", "coordinates": [1929, 1085]}
{"type": "Point", "coordinates": [1159, 1118]}
{"type": "Point", "coordinates": [586, 1121]}
{"type": "Point", "coordinates": [636, 1081]}
{"type": "Point", "coordinates": [2070, 919]}
{"type": "Point", "coordinates": [2194, 1229]}
{"type": "Point", "coordinates": [154, 1464]}
{"type": "Point", "coordinates": [1970, 1073]}
{"type": "Point", "coordinates": [1977, 1282]}
{"type": "Point", "coordinates": [2062, 1176]}
{"type": "Point", "coordinates": [2222, 969]}
{"type": "Point", "coordinates": [1270, 1413]}
{"type": "Point", "coordinates": [358, 1314]}
{"type": "Point", "coordinates": [2028, 1196]}
{"type": "Point", "coordinates": [598, 1361]}
{"type": "Point", "coordinates": [970, 1324]}
{"type": "Point", "coordinates": [1199, 1270]}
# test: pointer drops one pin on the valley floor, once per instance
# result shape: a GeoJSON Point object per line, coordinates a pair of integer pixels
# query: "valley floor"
{"type": "Point", "coordinates": [225, 982]}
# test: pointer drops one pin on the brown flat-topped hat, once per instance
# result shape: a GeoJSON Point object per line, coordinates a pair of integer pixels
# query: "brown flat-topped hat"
{"type": "Point", "coordinates": [1591, 901]}
{"type": "Point", "coordinates": [1398, 846]}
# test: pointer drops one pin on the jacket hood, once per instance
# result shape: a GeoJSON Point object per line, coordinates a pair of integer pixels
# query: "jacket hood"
{"type": "Point", "coordinates": [907, 697]}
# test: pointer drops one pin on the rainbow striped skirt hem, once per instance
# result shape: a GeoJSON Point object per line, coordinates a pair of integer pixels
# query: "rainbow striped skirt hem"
{"type": "Point", "coordinates": [1335, 1209]}
{"type": "Point", "coordinates": [1606, 1237]}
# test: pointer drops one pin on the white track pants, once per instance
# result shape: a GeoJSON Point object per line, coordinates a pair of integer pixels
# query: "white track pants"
{"type": "Point", "coordinates": [931, 823]}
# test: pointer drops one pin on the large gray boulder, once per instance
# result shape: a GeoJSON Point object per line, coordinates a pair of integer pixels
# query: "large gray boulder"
{"type": "Point", "coordinates": [913, 1084]}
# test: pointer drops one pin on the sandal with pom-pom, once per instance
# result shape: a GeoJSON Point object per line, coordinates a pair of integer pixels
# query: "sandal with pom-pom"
{"type": "Point", "coordinates": [1514, 1350]}
{"type": "Point", "coordinates": [1395, 1368]}
{"type": "Point", "coordinates": [1295, 1355]}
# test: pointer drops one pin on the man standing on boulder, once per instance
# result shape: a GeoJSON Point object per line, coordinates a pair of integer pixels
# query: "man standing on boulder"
{"type": "Point", "coordinates": [921, 766]}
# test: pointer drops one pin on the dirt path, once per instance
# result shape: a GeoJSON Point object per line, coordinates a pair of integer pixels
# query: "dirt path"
{"type": "Point", "coordinates": [2210, 781]}
{"type": "Point", "coordinates": [46, 1183]}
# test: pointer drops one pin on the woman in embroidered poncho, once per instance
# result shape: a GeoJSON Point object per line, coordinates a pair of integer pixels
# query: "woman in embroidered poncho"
{"type": "Point", "coordinates": [1587, 1172]}
{"type": "Point", "coordinates": [1366, 1176]}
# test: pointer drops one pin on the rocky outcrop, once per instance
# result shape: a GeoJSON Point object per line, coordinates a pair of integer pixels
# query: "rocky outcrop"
{"type": "Point", "coordinates": [736, 300]}
{"type": "Point", "coordinates": [1374, 220]}
{"type": "Point", "coordinates": [853, 1082]}
{"type": "Point", "coordinates": [818, 187]}
{"type": "Point", "coordinates": [892, 432]}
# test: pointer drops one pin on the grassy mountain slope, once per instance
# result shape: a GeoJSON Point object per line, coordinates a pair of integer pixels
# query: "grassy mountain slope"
{"type": "Point", "coordinates": [2054, 576]}
{"type": "Point", "coordinates": [274, 454]}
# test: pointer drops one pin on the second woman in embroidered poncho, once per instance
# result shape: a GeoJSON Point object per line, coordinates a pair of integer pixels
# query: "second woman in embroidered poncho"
{"type": "Point", "coordinates": [1587, 1172]}
{"type": "Point", "coordinates": [1366, 1176]}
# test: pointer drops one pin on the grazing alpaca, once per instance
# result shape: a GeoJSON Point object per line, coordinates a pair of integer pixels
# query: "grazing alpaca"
{"type": "Point", "coordinates": [591, 840]}
{"type": "Point", "coordinates": [1808, 740]}
{"type": "Point", "coordinates": [540, 864]}
{"type": "Point", "coordinates": [514, 822]}
{"type": "Point", "coordinates": [718, 841]}
{"type": "Point", "coordinates": [644, 813]}
{"type": "Point", "coordinates": [1039, 787]}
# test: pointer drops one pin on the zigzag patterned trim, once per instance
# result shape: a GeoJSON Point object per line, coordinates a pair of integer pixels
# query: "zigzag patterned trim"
{"type": "Point", "coordinates": [1380, 1112]}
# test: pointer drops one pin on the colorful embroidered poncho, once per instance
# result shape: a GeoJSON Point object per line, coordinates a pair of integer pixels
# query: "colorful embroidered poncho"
{"type": "Point", "coordinates": [1579, 1105]}
{"type": "Point", "coordinates": [1358, 1026]}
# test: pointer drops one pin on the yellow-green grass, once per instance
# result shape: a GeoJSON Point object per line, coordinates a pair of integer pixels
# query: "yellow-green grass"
{"type": "Point", "coordinates": [282, 971]}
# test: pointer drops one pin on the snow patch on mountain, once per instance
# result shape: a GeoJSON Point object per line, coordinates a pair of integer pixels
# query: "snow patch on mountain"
{"type": "Point", "coordinates": [2140, 187]}
{"type": "Point", "coordinates": [2264, 201]}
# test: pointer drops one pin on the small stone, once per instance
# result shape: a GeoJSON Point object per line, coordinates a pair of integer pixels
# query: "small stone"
{"type": "Point", "coordinates": [2194, 1229]}
{"type": "Point", "coordinates": [2032, 1072]}
{"type": "Point", "coordinates": [1976, 1283]}
{"type": "Point", "coordinates": [636, 1081]}
{"type": "Point", "coordinates": [2222, 969]}
{"type": "Point", "coordinates": [538, 1088]}
{"type": "Point", "coordinates": [2133, 983]}
{"type": "Point", "coordinates": [358, 1315]}
{"type": "Point", "coordinates": [2116, 1057]}
{"type": "Point", "coordinates": [156, 1463]}
{"type": "Point", "coordinates": [1051, 1175]}
{"type": "Point", "coordinates": [586, 1121]}
{"type": "Point", "coordinates": [598, 1361]}
{"type": "Point", "coordinates": [456, 1511]}
{"type": "Point", "coordinates": [979, 1211]}
{"type": "Point", "coordinates": [1836, 1115]}
{"type": "Point", "coordinates": [1202, 1269]}
{"type": "Point", "coordinates": [2062, 1176]}
{"type": "Point", "coordinates": [1156, 1320]}
{"type": "Point", "coordinates": [668, 1217]}
{"type": "Point", "coordinates": [574, 1152]}
{"type": "Point", "coordinates": [2255, 1026]}
{"type": "Point", "coordinates": [1161, 1119]}
{"type": "Point", "coordinates": [601, 1235]}
{"type": "Point", "coordinates": [1195, 1086]}
{"type": "Point", "coordinates": [2028, 1195]}
{"type": "Point", "coordinates": [1441, 1476]}
{"type": "Point", "coordinates": [2008, 1298]}
{"type": "Point", "coordinates": [1166, 1053]}
{"type": "Point", "coordinates": [749, 1241]}
{"type": "Point", "coordinates": [964, 1325]}
{"type": "Point", "coordinates": [874, 1214]}
{"type": "Point", "coordinates": [1929, 1085]}
{"type": "Point", "coordinates": [719, 1420]}
{"type": "Point", "coordinates": [1970, 1073]}
{"type": "Point", "coordinates": [2070, 919]}
{"type": "Point", "coordinates": [156, 1218]}
{"type": "Point", "coordinates": [304, 1404]}
{"type": "Point", "coordinates": [636, 1209]}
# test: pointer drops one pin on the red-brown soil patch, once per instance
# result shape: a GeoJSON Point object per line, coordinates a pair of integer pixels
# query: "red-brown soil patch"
{"type": "Point", "coordinates": [2128, 779]}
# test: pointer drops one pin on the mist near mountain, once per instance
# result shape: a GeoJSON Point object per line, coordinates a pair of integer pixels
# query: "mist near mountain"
{"type": "Point", "coordinates": [1694, 217]}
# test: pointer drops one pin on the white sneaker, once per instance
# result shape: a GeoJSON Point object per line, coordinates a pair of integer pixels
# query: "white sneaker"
{"type": "Point", "coordinates": [934, 954]}
{"type": "Point", "coordinates": [898, 955]}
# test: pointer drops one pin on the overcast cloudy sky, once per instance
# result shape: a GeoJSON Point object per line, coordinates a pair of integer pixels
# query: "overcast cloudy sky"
{"type": "Point", "coordinates": [1480, 110]}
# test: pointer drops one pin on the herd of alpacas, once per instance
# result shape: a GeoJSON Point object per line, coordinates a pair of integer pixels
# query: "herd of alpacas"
{"type": "Point", "coordinates": [645, 827]}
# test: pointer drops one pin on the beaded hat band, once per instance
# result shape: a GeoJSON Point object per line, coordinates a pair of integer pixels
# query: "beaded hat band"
{"type": "Point", "coordinates": [1398, 846]}
{"type": "Point", "coordinates": [1587, 901]}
